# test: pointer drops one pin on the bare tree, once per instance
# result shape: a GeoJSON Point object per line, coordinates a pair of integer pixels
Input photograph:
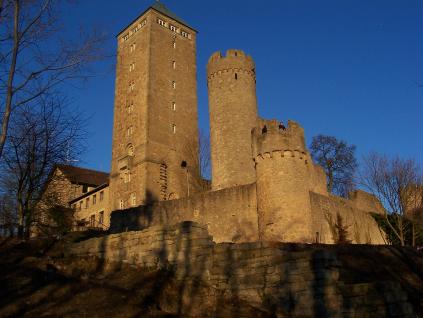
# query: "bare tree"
{"type": "Point", "coordinates": [40, 137]}
{"type": "Point", "coordinates": [34, 57]}
{"type": "Point", "coordinates": [338, 160]}
{"type": "Point", "coordinates": [198, 163]}
{"type": "Point", "coordinates": [398, 184]}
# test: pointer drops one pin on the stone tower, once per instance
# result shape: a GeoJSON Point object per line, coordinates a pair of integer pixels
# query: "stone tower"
{"type": "Point", "coordinates": [155, 132]}
{"type": "Point", "coordinates": [231, 84]}
{"type": "Point", "coordinates": [285, 176]}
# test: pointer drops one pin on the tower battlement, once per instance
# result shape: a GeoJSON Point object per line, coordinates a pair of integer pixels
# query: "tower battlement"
{"type": "Point", "coordinates": [234, 60]}
{"type": "Point", "coordinates": [271, 135]}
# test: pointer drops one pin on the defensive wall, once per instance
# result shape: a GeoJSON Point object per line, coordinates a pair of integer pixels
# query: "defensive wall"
{"type": "Point", "coordinates": [283, 280]}
{"type": "Point", "coordinates": [230, 215]}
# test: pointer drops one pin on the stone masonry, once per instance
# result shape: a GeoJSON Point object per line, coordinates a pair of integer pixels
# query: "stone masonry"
{"type": "Point", "coordinates": [285, 280]}
{"type": "Point", "coordinates": [264, 187]}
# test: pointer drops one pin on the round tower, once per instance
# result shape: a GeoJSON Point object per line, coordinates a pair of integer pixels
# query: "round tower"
{"type": "Point", "coordinates": [284, 178]}
{"type": "Point", "coordinates": [231, 85]}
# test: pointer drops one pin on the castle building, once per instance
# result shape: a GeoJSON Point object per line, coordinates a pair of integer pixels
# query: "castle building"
{"type": "Point", "coordinates": [264, 184]}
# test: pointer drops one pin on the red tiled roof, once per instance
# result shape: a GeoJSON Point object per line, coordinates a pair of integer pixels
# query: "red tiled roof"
{"type": "Point", "coordinates": [84, 176]}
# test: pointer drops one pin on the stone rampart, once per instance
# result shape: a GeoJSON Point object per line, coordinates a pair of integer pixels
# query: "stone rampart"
{"type": "Point", "coordinates": [230, 215]}
{"type": "Point", "coordinates": [360, 225]}
{"type": "Point", "coordinates": [287, 280]}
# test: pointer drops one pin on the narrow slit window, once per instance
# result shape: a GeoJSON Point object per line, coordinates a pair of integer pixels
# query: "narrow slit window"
{"type": "Point", "coordinates": [174, 128]}
{"type": "Point", "coordinates": [173, 106]}
{"type": "Point", "coordinates": [173, 84]}
{"type": "Point", "coordinates": [236, 76]}
{"type": "Point", "coordinates": [174, 64]}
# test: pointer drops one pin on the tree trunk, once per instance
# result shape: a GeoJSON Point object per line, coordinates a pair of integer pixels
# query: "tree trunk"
{"type": "Point", "coordinates": [12, 70]}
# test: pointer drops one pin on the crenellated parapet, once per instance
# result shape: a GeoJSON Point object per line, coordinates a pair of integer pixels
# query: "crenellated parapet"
{"type": "Point", "coordinates": [272, 135]}
{"type": "Point", "coordinates": [235, 61]}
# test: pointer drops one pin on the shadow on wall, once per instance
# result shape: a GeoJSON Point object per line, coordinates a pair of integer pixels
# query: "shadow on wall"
{"type": "Point", "coordinates": [261, 279]}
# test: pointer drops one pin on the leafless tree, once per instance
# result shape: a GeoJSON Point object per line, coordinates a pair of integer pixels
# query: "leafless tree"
{"type": "Point", "coordinates": [398, 184]}
{"type": "Point", "coordinates": [39, 138]}
{"type": "Point", "coordinates": [198, 163]}
{"type": "Point", "coordinates": [34, 56]}
{"type": "Point", "coordinates": [338, 160]}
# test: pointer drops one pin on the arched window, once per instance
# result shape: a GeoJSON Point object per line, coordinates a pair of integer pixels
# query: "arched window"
{"type": "Point", "coordinates": [130, 150]}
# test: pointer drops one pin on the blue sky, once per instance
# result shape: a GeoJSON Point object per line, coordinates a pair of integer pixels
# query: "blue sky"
{"type": "Point", "coordinates": [347, 68]}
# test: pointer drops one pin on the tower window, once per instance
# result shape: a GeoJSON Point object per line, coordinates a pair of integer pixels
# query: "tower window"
{"type": "Point", "coordinates": [130, 131]}
{"type": "Point", "coordinates": [121, 205]}
{"type": "Point", "coordinates": [174, 44]}
{"type": "Point", "coordinates": [127, 177]}
{"type": "Point", "coordinates": [133, 199]}
{"type": "Point", "coordinates": [236, 76]}
{"type": "Point", "coordinates": [173, 106]}
{"type": "Point", "coordinates": [174, 64]}
{"type": "Point", "coordinates": [130, 107]}
{"type": "Point", "coordinates": [131, 67]}
{"type": "Point", "coordinates": [173, 28]}
{"type": "Point", "coordinates": [161, 22]}
{"type": "Point", "coordinates": [173, 84]}
{"type": "Point", "coordinates": [130, 150]}
{"type": "Point", "coordinates": [132, 47]}
{"type": "Point", "coordinates": [131, 86]}
{"type": "Point", "coordinates": [174, 128]}
{"type": "Point", "coordinates": [184, 34]}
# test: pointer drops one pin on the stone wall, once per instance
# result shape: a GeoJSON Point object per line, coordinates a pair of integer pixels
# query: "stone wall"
{"type": "Point", "coordinates": [360, 225]}
{"type": "Point", "coordinates": [230, 215]}
{"type": "Point", "coordinates": [283, 280]}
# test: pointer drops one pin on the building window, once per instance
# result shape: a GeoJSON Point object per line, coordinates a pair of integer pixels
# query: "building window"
{"type": "Point", "coordinates": [101, 195]}
{"type": "Point", "coordinates": [174, 64]}
{"type": "Point", "coordinates": [101, 218]}
{"type": "Point", "coordinates": [132, 47]}
{"type": "Point", "coordinates": [121, 206]}
{"type": "Point", "coordinates": [161, 22]}
{"type": "Point", "coordinates": [126, 37]}
{"type": "Point", "coordinates": [131, 86]}
{"type": "Point", "coordinates": [173, 28]}
{"type": "Point", "coordinates": [131, 67]}
{"type": "Point", "coordinates": [133, 199]}
{"type": "Point", "coordinates": [130, 131]}
{"type": "Point", "coordinates": [80, 205]}
{"type": "Point", "coordinates": [84, 188]}
{"type": "Point", "coordinates": [173, 106]}
{"type": "Point", "coordinates": [236, 76]}
{"type": "Point", "coordinates": [94, 199]}
{"type": "Point", "coordinates": [174, 128]}
{"type": "Point", "coordinates": [87, 203]}
{"type": "Point", "coordinates": [185, 34]}
{"type": "Point", "coordinates": [130, 107]}
{"type": "Point", "coordinates": [130, 150]}
{"type": "Point", "coordinates": [174, 44]}
{"type": "Point", "coordinates": [127, 177]}
{"type": "Point", "coordinates": [173, 84]}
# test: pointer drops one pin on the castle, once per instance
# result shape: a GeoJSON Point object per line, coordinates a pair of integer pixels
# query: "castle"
{"type": "Point", "coordinates": [264, 184]}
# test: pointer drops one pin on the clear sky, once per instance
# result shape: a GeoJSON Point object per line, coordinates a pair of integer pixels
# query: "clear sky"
{"type": "Point", "coordinates": [349, 68]}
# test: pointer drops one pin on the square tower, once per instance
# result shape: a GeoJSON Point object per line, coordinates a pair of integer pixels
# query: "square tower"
{"type": "Point", "coordinates": [155, 130]}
